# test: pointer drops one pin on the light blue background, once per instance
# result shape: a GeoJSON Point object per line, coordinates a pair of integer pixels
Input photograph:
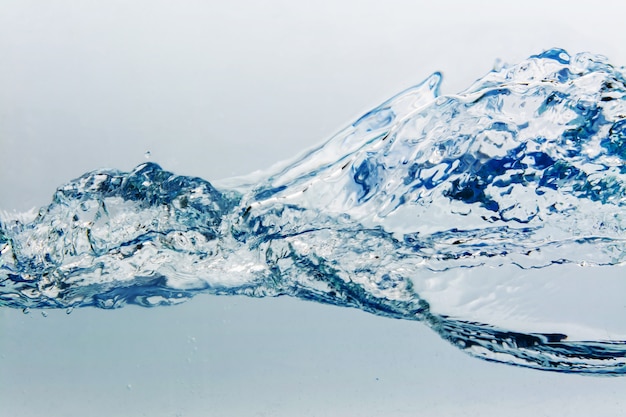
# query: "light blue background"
{"type": "Point", "coordinates": [216, 89]}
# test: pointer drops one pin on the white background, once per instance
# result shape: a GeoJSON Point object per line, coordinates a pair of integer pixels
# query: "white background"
{"type": "Point", "coordinates": [216, 89]}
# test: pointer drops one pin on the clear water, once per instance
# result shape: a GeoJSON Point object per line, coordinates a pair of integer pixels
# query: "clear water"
{"type": "Point", "coordinates": [495, 216]}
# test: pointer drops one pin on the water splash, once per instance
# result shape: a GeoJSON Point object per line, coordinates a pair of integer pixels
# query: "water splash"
{"type": "Point", "coordinates": [495, 216]}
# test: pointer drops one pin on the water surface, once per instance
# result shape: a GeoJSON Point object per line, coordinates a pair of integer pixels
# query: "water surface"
{"type": "Point", "coordinates": [494, 216]}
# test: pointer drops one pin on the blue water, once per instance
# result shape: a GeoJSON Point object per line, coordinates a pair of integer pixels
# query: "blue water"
{"type": "Point", "coordinates": [495, 216]}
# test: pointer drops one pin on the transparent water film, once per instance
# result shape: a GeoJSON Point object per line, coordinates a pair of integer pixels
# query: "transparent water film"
{"type": "Point", "coordinates": [495, 216]}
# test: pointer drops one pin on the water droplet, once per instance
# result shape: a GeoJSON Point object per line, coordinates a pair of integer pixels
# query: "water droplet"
{"type": "Point", "coordinates": [45, 314]}
{"type": "Point", "coordinates": [498, 65]}
{"type": "Point", "coordinates": [26, 310]}
{"type": "Point", "coordinates": [147, 154]}
{"type": "Point", "coordinates": [69, 310]}
{"type": "Point", "coordinates": [129, 387]}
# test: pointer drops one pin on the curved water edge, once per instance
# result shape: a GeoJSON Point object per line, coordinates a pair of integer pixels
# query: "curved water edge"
{"type": "Point", "coordinates": [495, 216]}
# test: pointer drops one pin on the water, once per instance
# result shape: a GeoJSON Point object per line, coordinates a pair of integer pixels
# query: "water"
{"type": "Point", "coordinates": [494, 216]}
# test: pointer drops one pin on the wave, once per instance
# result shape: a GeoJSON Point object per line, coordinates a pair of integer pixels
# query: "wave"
{"type": "Point", "coordinates": [495, 216]}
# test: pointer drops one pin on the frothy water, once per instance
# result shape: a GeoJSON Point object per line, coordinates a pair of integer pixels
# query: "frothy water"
{"type": "Point", "coordinates": [495, 216]}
